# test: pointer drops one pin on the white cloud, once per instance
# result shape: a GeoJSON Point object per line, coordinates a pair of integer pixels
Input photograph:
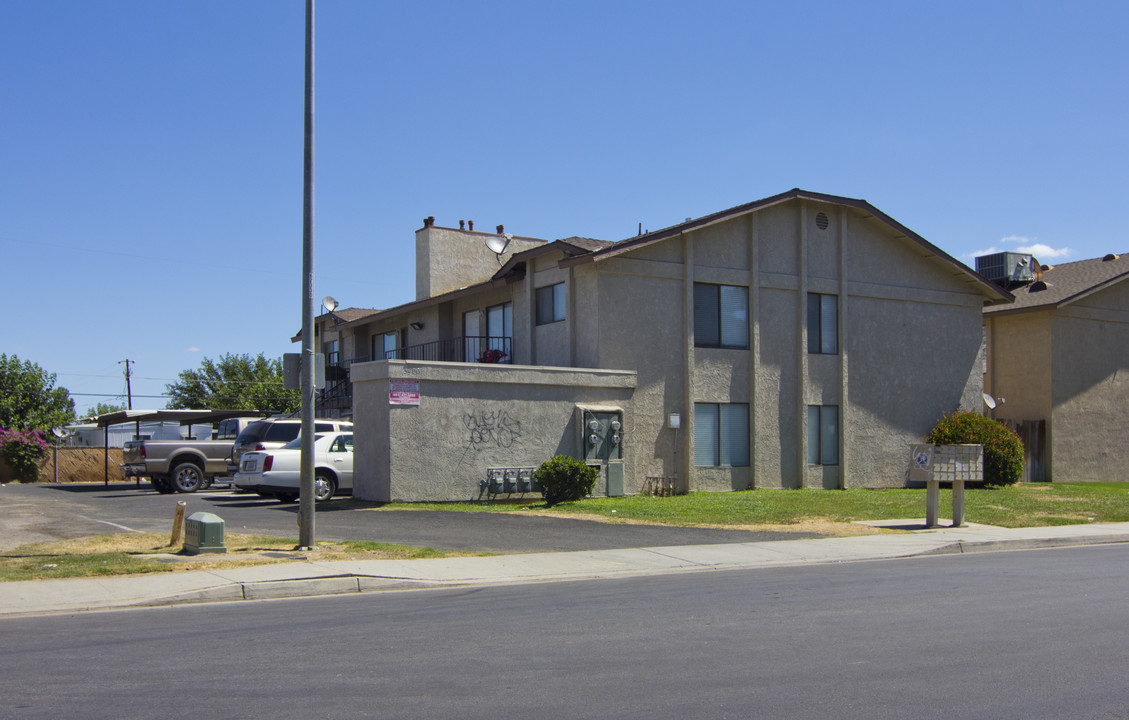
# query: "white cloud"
{"type": "Point", "coordinates": [1044, 252]}
{"type": "Point", "coordinates": [1025, 245]}
{"type": "Point", "coordinates": [193, 349]}
{"type": "Point", "coordinates": [986, 251]}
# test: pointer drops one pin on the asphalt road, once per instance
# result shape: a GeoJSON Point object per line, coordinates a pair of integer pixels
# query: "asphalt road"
{"type": "Point", "coordinates": [34, 513]}
{"type": "Point", "coordinates": [1012, 636]}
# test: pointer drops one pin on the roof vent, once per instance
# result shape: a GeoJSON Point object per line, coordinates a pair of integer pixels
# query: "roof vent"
{"type": "Point", "coordinates": [1109, 257]}
{"type": "Point", "coordinates": [1047, 267]}
{"type": "Point", "coordinates": [821, 221]}
{"type": "Point", "coordinates": [1037, 286]}
{"type": "Point", "coordinates": [1007, 269]}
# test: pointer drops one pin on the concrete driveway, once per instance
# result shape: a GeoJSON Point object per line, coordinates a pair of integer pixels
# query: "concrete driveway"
{"type": "Point", "coordinates": [35, 513]}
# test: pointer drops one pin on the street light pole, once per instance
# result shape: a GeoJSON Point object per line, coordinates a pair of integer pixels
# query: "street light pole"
{"type": "Point", "coordinates": [306, 463]}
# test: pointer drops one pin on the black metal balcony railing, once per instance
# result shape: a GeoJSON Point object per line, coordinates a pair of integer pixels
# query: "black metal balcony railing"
{"type": "Point", "coordinates": [338, 391]}
{"type": "Point", "coordinates": [483, 349]}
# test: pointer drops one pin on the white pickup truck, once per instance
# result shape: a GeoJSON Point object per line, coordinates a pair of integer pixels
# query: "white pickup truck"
{"type": "Point", "coordinates": [183, 465]}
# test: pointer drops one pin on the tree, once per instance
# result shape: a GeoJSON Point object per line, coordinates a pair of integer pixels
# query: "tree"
{"type": "Point", "coordinates": [1003, 451]}
{"type": "Point", "coordinates": [104, 409]}
{"type": "Point", "coordinates": [234, 382]}
{"type": "Point", "coordinates": [29, 399]}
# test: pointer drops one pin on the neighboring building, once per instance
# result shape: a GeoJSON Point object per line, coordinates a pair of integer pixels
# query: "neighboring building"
{"type": "Point", "coordinates": [91, 435]}
{"type": "Point", "coordinates": [1058, 364]}
{"type": "Point", "coordinates": [803, 340]}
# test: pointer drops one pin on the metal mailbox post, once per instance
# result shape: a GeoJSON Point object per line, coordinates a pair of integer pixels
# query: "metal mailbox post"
{"type": "Point", "coordinates": [956, 464]}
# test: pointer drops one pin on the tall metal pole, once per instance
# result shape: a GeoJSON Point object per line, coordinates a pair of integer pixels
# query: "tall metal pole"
{"type": "Point", "coordinates": [306, 463]}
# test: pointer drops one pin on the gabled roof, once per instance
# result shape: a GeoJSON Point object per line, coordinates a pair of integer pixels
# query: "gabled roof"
{"type": "Point", "coordinates": [571, 247]}
{"type": "Point", "coordinates": [1061, 285]}
{"type": "Point", "coordinates": [344, 316]}
{"type": "Point", "coordinates": [993, 293]}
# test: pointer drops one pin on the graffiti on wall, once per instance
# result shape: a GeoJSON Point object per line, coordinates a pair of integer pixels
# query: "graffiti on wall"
{"type": "Point", "coordinates": [491, 429]}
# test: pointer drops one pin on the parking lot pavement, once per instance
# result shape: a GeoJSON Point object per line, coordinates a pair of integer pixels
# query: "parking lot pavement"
{"type": "Point", "coordinates": [34, 513]}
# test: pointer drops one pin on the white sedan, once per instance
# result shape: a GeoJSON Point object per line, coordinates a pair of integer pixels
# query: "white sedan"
{"type": "Point", "coordinates": [275, 473]}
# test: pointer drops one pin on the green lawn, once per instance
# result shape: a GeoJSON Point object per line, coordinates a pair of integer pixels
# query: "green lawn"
{"type": "Point", "coordinates": [828, 511]}
{"type": "Point", "coordinates": [1025, 505]}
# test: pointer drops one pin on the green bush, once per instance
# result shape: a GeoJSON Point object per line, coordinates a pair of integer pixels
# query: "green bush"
{"type": "Point", "coordinates": [563, 479]}
{"type": "Point", "coordinates": [1003, 451]}
{"type": "Point", "coordinates": [23, 451]}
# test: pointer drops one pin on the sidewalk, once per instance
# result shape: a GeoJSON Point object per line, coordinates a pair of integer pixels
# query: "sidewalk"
{"type": "Point", "coordinates": [303, 578]}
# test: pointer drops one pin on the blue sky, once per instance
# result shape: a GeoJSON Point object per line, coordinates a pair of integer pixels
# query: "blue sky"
{"type": "Point", "coordinates": [151, 152]}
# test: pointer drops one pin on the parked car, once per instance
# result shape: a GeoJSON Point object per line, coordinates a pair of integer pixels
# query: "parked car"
{"type": "Point", "coordinates": [276, 473]}
{"type": "Point", "coordinates": [271, 433]}
{"type": "Point", "coordinates": [184, 465]}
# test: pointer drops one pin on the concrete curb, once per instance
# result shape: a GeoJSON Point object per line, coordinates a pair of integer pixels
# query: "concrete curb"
{"type": "Point", "coordinates": [306, 579]}
{"type": "Point", "coordinates": [312, 587]}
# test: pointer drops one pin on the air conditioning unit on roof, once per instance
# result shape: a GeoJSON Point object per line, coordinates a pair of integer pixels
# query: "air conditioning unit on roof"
{"type": "Point", "coordinates": [1007, 269]}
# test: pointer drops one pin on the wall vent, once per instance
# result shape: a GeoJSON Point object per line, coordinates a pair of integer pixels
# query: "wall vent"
{"type": "Point", "coordinates": [821, 221]}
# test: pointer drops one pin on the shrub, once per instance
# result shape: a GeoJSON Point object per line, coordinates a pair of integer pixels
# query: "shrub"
{"type": "Point", "coordinates": [1003, 451]}
{"type": "Point", "coordinates": [23, 451]}
{"type": "Point", "coordinates": [563, 479]}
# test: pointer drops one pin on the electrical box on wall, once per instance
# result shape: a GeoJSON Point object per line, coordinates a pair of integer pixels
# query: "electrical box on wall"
{"type": "Point", "coordinates": [601, 433]}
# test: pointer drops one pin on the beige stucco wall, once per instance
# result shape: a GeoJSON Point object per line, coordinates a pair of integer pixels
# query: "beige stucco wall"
{"type": "Point", "coordinates": [1090, 358]}
{"type": "Point", "coordinates": [472, 417]}
{"type": "Point", "coordinates": [1019, 365]}
{"type": "Point", "coordinates": [910, 345]}
{"type": "Point", "coordinates": [449, 259]}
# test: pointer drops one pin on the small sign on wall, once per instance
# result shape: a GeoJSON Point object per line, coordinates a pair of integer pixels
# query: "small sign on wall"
{"type": "Point", "coordinates": [403, 392]}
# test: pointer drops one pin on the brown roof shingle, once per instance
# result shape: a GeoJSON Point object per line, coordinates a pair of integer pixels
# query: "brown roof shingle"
{"type": "Point", "coordinates": [1063, 284]}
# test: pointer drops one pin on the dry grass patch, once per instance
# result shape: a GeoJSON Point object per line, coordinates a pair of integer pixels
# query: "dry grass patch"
{"type": "Point", "coordinates": [140, 553]}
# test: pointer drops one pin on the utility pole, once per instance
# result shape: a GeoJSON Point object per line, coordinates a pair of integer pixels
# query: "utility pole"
{"type": "Point", "coordinates": [128, 401]}
{"type": "Point", "coordinates": [306, 457]}
{"type": "Point", "coordinates": [128, 391]}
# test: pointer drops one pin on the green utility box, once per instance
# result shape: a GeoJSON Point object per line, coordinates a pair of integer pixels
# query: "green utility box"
{"type": "Point", "coordinates": [203, 533]}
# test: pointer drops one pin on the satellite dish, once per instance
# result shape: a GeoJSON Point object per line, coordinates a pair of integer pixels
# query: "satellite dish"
{"type": "Point", "coordinates": [499, 243]}
{"type": "Point", "coordinates": [329, 303]}
{"type": "Point", "coordinates": [58, 432]}
{"type": "Point", "coordinates": [989, 401]}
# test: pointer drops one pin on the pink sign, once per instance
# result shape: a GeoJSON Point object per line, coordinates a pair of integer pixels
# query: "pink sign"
{"type": "Point", "coordinates": [403, 392]}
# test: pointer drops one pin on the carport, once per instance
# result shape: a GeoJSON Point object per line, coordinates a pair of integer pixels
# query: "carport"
{"type": "Point", "coordinates": [184, 417]}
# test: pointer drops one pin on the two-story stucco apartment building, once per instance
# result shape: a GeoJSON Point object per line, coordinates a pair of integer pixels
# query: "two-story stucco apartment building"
{"type": "Point", "coordinates": [802, 340]}
{"type": "Point", "coordinates": [1059, 363]}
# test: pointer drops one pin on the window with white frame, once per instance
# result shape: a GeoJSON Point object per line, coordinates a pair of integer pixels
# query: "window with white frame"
{"type": "Point", "coordinates": [550, 304]}
{"type": "Point", "coordinates": [499, 333]}
{"type": "Point", "coordinates": [384, 346]}
{"type": "Point", "coordinates": [721, 434]}
{"type": "Point", "coordinates": [721, 316]}
{"type": "Point", "coordinates": [823, 324]}
{"type": "Point", "coordinates": [823, 434]}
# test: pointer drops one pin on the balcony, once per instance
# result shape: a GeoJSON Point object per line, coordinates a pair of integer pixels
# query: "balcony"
{"type": "Point", "coordinates": [336, 399]}
{"type": "Point", "coordinates": [482, 349]}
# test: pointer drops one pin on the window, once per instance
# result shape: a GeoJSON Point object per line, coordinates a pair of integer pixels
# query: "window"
{"type": "Point", "coordinates": [823, 324]}
{"type": "Point", "coordinates": [343, 443]}
{"type": "Point", "coordinates": [499, 333]}
{"type": "Point", "coordinates": [721, 316]}
{"type": "Point", "coordinates": [823, 434]}
{"type": "Point", "coordinates": [721, 434]}
{"type": "Point", "coordinates": [384, 346]}
{"type": "Point", "coordinates": [550, 304]}
{"type": "Point", "coordinates": [332, 356]}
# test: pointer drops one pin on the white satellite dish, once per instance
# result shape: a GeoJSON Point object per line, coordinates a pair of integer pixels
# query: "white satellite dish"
{"type": "Point", "coordinates": [59, 432]}
{"type": "Point", "coordinates": [499, 243]}
{"type": "Point", "coordinates": [329, 303]}
{"type": "Point", "coordinates": [989, 401]}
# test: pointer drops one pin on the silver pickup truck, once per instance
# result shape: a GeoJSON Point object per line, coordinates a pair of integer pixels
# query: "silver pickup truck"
{"type": "Point", "coordinates": [182, 465]}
